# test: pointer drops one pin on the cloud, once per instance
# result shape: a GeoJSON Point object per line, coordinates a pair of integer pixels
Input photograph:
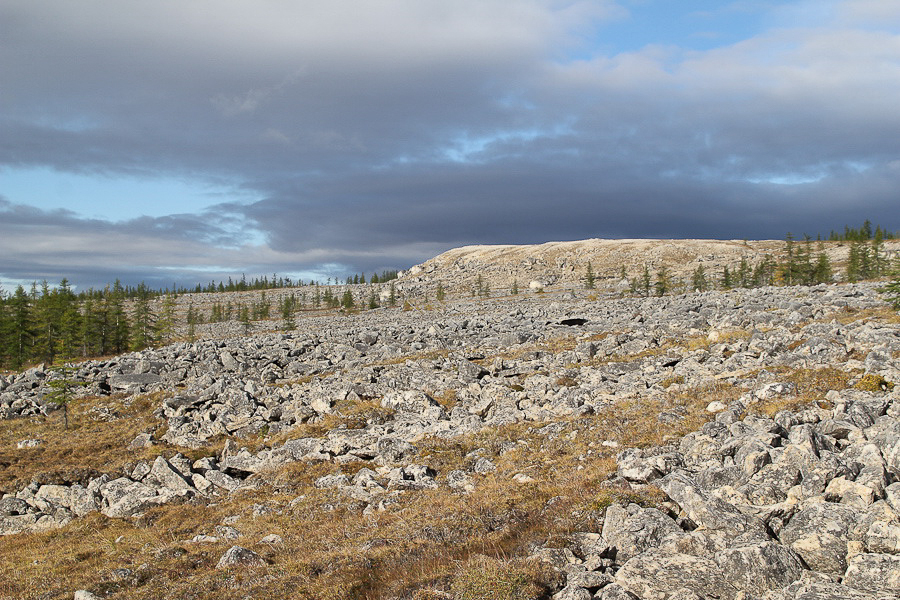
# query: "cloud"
{"type": "Point", "coordinates": [374, 134]}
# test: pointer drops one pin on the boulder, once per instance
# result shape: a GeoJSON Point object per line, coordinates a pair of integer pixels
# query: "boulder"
{"type": "Point", "coordinates": [875, 573]}
{"type": "Point", "coordinates": [656, 575]}
{"type": "Point", "coordinates": [632, 530]}
{"type": "Point", "coordinates": [238, 556]}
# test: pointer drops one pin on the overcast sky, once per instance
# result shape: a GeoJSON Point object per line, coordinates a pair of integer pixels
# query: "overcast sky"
{"type": "Point", "coordinates": [183, 141]}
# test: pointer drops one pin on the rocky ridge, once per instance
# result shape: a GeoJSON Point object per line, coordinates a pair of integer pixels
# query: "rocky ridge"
{"type": "Point", "coordinates": [563, 265]}
{"type": "Point", "coordinates": [802, 504]}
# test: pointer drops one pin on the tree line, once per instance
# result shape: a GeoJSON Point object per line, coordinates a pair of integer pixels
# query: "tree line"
{"type": "Point", "coordinates": [800, 264]}
{"type": "Point", "coordinates": [49, 324]}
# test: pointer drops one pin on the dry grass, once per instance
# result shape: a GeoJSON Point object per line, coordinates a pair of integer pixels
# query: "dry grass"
{"type": "Point", "coordinates": [847, 315]}
{"type": "Point", "coordinates": [429, 542]}
{"type": "Point", "coordinates": [92, 442]}
{"type": "Point", "coordinates": [812, 385]}
{"type": "Point", "coordinates": [874, 383]}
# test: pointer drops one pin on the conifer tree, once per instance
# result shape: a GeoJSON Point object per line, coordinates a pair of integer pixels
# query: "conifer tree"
{"type": "Point", "coordinates": [62, 385]}
{"type": "Point", "coordinates": [191, 322]}
{"type": "Point", "coordinates": [5, 332]}
{"type": "Point", "coordinates": [698, 280]}
{"type": "Point", "coordinates": [116, 320]}
{"type": "Point", "coordinates": [244, 318]}
{"type": "Point", "coordinates": [143, 323]}
{"type": "Point", "coordinates": [21, 323]}
{"type": "Point", "coordinates": [822, 270]}
{"type": "Point", "coordinates": [662, 281]}
{"type": "Point", "coordinates": [790, 267]}
{"type": "Point", "coordinates": [347, 300]}
{"type": "Point", "coordinates": [744, 274]}
{"type": "Point", "coordinates": [589, 277]}
{"type": "Point", "coordinates": [853, 263]}
{"type": "Point", "coordinates": [892, 292]}
{"type": "Point", "coordinates": [727, 282]}
{"type": "Point", "coordinates": [165, 323]}
{"type": "Point", "coordinates": [44, 323]}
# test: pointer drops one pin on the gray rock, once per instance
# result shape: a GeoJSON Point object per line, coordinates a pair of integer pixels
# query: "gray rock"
{"type": "Point", "coordinates": [760, 567]}
{"type": "Point", "coordinates": [238, 556]}
{"type": "Point", "coordinates": [615, 591]}
{"type": "Point", "coordinates": [11, 506]}
{"type": "Point", "coordinates": [142, 440]}
{"type": "Point", "coordinates": [819, 534]}
{"type": "Point", "coordinates": [655, 575]}
{"type": "Point", "coordinates": [125, 498]}
{"type": "Point", "coordinates": [168, 477]}
{"type": "Point", "coordinates": [875, 573]}
{"type": "Point", "coordinates": [708, 511]}
{"type": "Point", "coordinates": [469, 371]}
{"type": "Point", "coordinates": [222, 480]}
{"type": "Point", "coordinates": [632, 530]}
{"type": "Point", "coordinates": [140, 382]}
{"type": "Point", "coordinates": [820, 590]}
{"type": "Point", "coordinates": [572, 593]}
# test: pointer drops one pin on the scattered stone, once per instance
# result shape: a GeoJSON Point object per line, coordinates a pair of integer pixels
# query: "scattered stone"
{"type": "Point", "coordinates": [238, 556]}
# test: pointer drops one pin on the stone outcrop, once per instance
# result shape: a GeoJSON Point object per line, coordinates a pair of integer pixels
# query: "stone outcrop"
{"type": "Point", "coordinates": [828, 529]}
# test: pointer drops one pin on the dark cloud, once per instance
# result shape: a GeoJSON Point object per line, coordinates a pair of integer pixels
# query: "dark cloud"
{"type": "Point", "coordinates": [373, 135]}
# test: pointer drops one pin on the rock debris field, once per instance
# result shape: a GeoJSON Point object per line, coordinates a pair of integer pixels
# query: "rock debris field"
{"type": "Point", "coordinates": [802, 503]}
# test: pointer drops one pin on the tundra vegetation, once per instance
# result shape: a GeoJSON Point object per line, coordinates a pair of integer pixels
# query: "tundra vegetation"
{"type": "Point", "coordinates": [571, 444]}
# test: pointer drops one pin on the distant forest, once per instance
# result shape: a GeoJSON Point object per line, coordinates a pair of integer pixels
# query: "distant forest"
{"type": "Point", "coordinates": [51, 324]}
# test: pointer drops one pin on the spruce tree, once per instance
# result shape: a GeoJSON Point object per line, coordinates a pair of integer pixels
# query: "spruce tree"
{"type": "Point", "coordinates": [698, 280]}
{"type": "Point", "coordinates": [822, 270]}
{"type": "Point", "coordinates": [790, 268]}
{"type": "Point", "coordinates": [662, 281]}
{"type": "Point", "coordinates": [727, 282]}
{"type": "Point", "coordinates": [117, 321]}
{"type": "Point", "coordinates": [244, 318]}
{"type": "Point", "coordinates": [5, 333]}
{"type": "Point", "coordinates": [21, 323]}
{"type": "Point", "coordinates": [645, 281]}
{"type": "Point", "coordinates": [143, 323]}
{"type": "Point", "coordinates": [589, 277]}
{"type": "Point", "coordinates": [165, 323]}
{"type": "Point", "coordinates": [892, 292]}
{"type": "Point", "coordinates": [744, 274]}
{"type": "Point", "coordinates": [62, 384]}
{"type": "Point", "coordinates": [347, 300]}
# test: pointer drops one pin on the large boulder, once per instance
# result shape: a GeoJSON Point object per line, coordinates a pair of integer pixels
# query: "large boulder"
{"type": "Point", "coordinates": [707, 511]}
{"type": "Point", "coordinates": [632, 530]}
{"type": "Point", "coordinates": [875, 573]}
{"type": "Point", "coordinates": [819, 533]}
{"type": "Point", "coordinates": [656, 575]}
{"type": "Point", "coordinates": [761, 567]}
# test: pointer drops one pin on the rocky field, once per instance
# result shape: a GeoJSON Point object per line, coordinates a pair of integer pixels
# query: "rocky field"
{"type": "Point", "coordinates": [735, 445]}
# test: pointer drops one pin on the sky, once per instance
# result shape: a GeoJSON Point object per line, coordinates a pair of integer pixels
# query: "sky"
{"type": "Point", "coordinates": [177, 142]}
